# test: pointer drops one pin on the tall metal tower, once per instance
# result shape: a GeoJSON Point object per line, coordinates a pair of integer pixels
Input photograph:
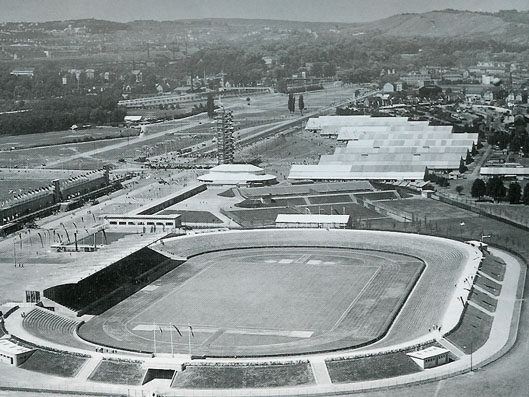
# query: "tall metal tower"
{"type": "Point", "coordinates": [224, 126]}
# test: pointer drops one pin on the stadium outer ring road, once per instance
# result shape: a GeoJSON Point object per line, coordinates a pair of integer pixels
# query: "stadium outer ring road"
{"type": "Point", "coordinates": [451, 317]}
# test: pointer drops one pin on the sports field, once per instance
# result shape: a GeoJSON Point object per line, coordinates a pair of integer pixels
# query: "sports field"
{"type": "Point", "coordinates": [263, 302]}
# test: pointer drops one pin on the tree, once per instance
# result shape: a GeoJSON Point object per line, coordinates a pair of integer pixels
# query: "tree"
{"type": "Point", "coordinates": [248, 100]}
{"type": "Point", "coordinates": [291, 103]}
{"type": "Point", "coordinates": [301, 104]}
{"type": "Point", "coordinates": [210, 105]}
{"type": "Point", "coordinates": [495, 188]}
{"type": "Point", "coordinates": [479, 189]}
{"type": "Point", "coordinates": [459, 189]}
{"type": "Point", "coordinates": [462, 166]}
{"type": "Point", "coordinates": [514, 193]}
{"type": "Point", "coordinates": [525, 198]}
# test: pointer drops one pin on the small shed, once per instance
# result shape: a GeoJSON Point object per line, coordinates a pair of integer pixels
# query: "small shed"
{"type": "Point", "coordinates": [430, 357]}
{"type": "Point", "coordinates": [13, 354]}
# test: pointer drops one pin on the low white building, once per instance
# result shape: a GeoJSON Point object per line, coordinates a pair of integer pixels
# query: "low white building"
{"type": "Point", "coordinates": [238, 174]}
{"type": "Point", "coordinates": [313, 221]}
{"type": "Point", "coordinates": [430, 357]}
{"type": "Point", "coordinates": [11, 353]}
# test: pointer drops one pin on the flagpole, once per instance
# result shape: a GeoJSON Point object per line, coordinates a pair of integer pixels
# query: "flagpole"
{"type": "Point", "coordinates": [154, 334]}
{"type": "Point", "coordinates": [189, 334]}
{"type": "Point", "coordinates": [171, 331]}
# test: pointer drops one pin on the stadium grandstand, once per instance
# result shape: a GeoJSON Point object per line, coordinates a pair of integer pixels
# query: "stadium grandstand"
{"type": "Point", "coordinates": [384, 149]}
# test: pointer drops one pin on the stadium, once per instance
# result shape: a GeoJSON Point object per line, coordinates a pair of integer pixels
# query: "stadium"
{"type": "Point", "coordinates": [274, 292]}
{"type": "Point", "coordinates": [298, 310]}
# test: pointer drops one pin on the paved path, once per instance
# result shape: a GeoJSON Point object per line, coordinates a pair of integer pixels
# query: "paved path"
{"type": "Point", "coordinates": [319, 369]}
{"type": "Point", "coordinates": [88, 368]}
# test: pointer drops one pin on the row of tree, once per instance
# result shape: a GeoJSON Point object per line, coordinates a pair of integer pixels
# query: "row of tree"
{"type": "Point", "coordinates": [292, 103]}
{"type": "Point", "coordinates": [495, 188]}
{"type": "Point", "coordinates": [58, 114]}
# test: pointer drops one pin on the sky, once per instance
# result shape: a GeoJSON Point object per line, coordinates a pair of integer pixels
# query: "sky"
{"type": "Point", "coordinates": [299, 10]}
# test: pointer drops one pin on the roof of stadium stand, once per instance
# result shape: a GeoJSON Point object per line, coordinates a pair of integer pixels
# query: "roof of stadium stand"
{"type": "Point", "coordinates": [384, 148]}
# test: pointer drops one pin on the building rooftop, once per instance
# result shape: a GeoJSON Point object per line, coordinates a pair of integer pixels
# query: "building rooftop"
{"type": "Point", "coordinates": [8, 347]}
{"type": "Point", "coordinates": [429, 352]}
{"type": "Point", "coordinates": [311, 218]}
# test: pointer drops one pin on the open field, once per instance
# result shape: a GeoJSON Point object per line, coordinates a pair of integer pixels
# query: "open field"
{"type": "Point", "coordinates": [62, 137]}
{"type": "Point", "coordinates": [426, 210]}
{"type": "Point", "coordinates": [254, 302]}
{"type": "Point", "coordinates": [244, 376]}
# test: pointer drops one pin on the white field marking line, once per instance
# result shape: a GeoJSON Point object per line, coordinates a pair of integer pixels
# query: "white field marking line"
{"type": "Point", "coordinates": [219, 255]}
{"type": "Point", "coordinates": [171, 292]}
{"type": "Point", "coordinates": [120, 311]}
{"type": "Point", "coordinates": [238, 331]}
{"type": "Point", "coordinates": [346, 312]}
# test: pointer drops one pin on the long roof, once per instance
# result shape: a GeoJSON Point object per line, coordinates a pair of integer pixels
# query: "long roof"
{"type": "Point", "coordinates": [430, 160]}
{"type": "Point", "coordinates": [396, 135]}
{"type": "Point", "coordinates": [312, 218]}
{"type": "Point", "coordinates": [491, 171]}
{"type": "Point", "coordinates": [357, 172]}
{"type": "Point", "coordinates": [414, 142]}
{"type": "Point", "coordinates": [401, 149]}
{"type": "Point", "coordinates": [323, 121]}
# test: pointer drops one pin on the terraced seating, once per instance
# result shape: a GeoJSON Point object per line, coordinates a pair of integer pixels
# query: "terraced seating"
{"type": "Point", "coordinates": [48, 326]}
{"type": "Point", "coordinates": [121, 279]}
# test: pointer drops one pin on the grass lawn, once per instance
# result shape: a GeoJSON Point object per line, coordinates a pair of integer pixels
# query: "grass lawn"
{"type": "Point", "coordinates": [473, 331]}
{"type": "Point", "coordinates": [52, 363]}
{"type": "Point", "coordinates": [483, 300]}
{"type": "Point", "coordinates": [494, 267]}
{"type": "Point", "coordinates": [488, 285]}
{"type": "Point", "coordinates": [238, 377]}
{"type": "Point", "coordinates": [120, 372]}
{"type": "Point", "coordinates": [371, 368]}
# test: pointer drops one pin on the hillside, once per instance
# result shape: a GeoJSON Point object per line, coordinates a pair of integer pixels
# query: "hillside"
{"type": "Point", "coordinates": [503, 26]}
